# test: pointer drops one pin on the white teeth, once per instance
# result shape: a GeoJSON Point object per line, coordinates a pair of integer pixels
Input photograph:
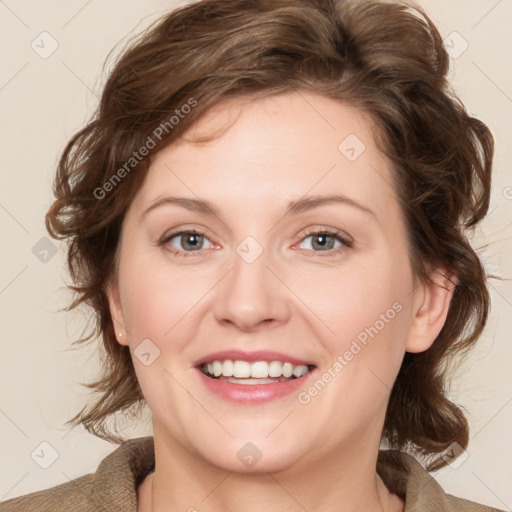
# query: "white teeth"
{"type": "Point", "coordinates": [300, 370]}
{"type": "Point", "coordinates": [217, 368]}
{"type": "Point", "coordinates": [241, 369]}
{"type": "Point", "coordinates": [254, 371]}
{"type": "Point", "coordinates": [228, 368]}
{"type": "Point", "coordinates": [275, 369]}
{"type": "Point", "coordinates": [259, 370]}
{"type": "Point", "coordinates": [287, 369]}
{"type": "Point", "coordinates": [250, 382]}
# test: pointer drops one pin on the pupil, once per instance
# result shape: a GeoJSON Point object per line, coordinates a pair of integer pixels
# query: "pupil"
{"type": "Point", "coordinates": [323, 241]}
{"type": "Point", "coordinates": [192, 241]}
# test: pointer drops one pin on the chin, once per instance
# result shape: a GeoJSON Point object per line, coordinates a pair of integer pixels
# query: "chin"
{"type": "Point", "coordinates": [247, 457]}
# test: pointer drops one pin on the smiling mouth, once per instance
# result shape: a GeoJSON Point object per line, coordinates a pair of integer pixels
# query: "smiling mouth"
{"type": "Point", "coordinates": [252, 373]}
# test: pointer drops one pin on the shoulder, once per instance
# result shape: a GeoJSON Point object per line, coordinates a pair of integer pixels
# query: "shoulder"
{"type": "Point", "coordinates": [405, 476]}
{"type": "Point", "coordinates": [112, 487]}
{"type": "Point", "coordinates": [458, 504]}
{"type": "Point", "coordinates": [74, 495]}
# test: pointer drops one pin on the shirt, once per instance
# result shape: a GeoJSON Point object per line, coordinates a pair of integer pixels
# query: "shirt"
{"type": "Point", "coordinates": [113, 487]}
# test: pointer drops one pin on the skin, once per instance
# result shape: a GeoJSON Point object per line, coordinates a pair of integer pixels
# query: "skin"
{"type": "Point", "coordinates": [296, 297]}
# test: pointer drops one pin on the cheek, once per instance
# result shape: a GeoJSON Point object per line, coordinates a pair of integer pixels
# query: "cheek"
{"type": "Point", "coordinates": [354, 298]}
{"type": "Point", "coordinates": [365, 315]}
{"type": "Point", "coordinates": [148, 306]}
{"type": "Point", "coordinates": [159, 301]}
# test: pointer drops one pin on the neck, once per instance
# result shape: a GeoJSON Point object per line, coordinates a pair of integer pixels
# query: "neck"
{"type": "Point", "coordinates": [344, 481]}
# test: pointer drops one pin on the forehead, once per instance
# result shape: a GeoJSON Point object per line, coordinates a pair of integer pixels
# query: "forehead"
{"type": "Point", "coordinates": [277, 148]}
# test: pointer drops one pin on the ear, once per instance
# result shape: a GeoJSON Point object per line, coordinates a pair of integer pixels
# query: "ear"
{"type": "Point", "coordinates": [431, 306]}
{"type": "Point", "coordinates": [116, 311]}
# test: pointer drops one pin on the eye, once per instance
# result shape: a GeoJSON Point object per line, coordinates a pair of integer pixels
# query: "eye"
{"type": "Point", "coordinates": [186, 241]}
{"type": "Point", "coordinates": [326, 241]}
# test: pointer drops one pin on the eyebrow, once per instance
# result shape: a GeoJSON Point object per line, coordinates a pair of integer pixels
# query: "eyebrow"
{"type": "Point", "coordinates": [294, 207]}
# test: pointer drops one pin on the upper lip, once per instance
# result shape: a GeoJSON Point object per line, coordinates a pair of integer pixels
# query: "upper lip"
{"type": "Point", "coordinates": [258, 355]}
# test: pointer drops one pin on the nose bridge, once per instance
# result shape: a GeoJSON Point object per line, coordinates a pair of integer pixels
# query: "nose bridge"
{"type": "Point", "coordinates": [251, 294]}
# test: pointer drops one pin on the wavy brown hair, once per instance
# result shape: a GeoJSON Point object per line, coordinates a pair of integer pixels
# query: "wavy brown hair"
{"type": "Point", "coordinates": [386, 59]}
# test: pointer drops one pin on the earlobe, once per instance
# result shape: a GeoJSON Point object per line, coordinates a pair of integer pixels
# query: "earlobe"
{"type": "Point", "coordinates": [116, 312]}
{"type": "Point", "coordinates": [431, 309]}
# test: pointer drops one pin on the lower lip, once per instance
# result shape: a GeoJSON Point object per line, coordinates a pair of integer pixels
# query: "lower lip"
{"type": "Point", "coordinates": [253, 393]}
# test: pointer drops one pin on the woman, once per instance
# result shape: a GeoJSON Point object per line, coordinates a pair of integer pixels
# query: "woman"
{"type": "Point", "coordinates": [267, 216]}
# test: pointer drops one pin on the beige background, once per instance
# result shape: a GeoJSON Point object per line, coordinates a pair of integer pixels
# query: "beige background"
{"type": "Point", "coordinates": [45, 100]}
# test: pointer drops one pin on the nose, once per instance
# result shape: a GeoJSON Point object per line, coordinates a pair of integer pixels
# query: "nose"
{"type": "Point", "coordinates": [251, 297]}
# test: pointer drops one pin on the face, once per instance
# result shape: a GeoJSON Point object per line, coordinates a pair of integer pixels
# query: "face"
{"type": "Point", "coordinates": [287, 246]}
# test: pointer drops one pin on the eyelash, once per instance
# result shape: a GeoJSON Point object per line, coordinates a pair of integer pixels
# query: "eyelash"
{"type": "Point", "coordinates": [338, 235]}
